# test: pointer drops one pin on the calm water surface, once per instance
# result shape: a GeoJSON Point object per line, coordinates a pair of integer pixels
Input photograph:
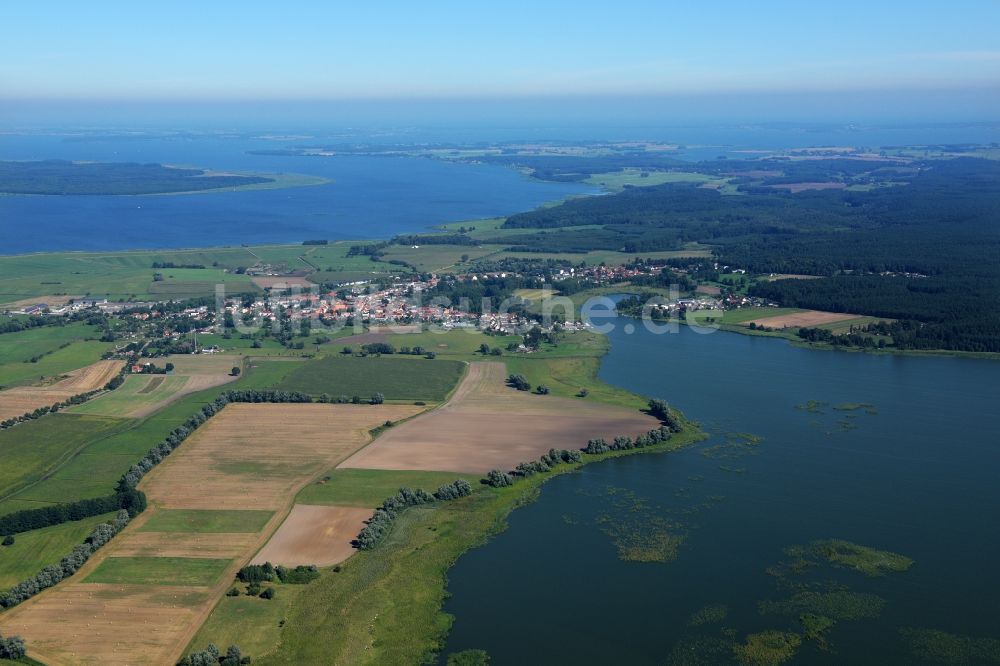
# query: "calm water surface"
{"type": "Point", "coordinates": [369, 197]}
{"type": "Point", "coordinates": [914, 473]}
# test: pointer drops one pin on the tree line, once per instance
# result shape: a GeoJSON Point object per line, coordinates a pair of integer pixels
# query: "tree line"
{"type": "Point", "coordinates": [497, 478]}
{"type": "Point", "coordinates": [211, 656]}
{"type": "Point", "coordinates": [385, 515]}
{"type": "Point", "coordinates": [69, 565]}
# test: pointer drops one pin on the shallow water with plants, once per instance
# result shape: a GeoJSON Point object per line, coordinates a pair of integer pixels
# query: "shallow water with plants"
{"type": "Point", "coordinates": [839, 513]}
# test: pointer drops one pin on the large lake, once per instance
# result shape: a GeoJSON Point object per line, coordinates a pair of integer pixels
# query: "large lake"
{"type": "Point", "coordinates": [369, 198]}
{"type": "Point", "coordinates": [913, 470]}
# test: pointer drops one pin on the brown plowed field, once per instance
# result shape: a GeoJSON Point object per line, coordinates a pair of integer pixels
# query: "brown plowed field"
{"type": "Point", "coordinates": [487, 425]}
{"type": "Point", "coordinates": [800, 319]}
{"type": "Point", "coordinates": [319, 535]}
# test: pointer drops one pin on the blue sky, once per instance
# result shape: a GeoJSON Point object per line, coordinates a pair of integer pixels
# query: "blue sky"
{"type": "Point", "coordinates": [200, 51]}
{"type": "Point", "coordinates": [429, 49]}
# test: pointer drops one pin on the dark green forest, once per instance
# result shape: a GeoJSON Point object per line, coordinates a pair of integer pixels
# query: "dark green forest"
{"type": "Point", "coordinates": [925, 249]}
{"type": "Point", "coordinates": [62, 177]}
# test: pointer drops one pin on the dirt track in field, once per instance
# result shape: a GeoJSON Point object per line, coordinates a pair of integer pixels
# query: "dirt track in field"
{"type": "Point", "coordinates": [487, 425]}
{"type": "Point", "coordinates": [319, 535]}
{"type": "Point", "coordinates": [21, 400]}
{"type": "Point", "coordinates": [800, 319]}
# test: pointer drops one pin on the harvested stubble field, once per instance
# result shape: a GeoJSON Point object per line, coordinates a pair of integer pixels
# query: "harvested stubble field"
{"type": "Point", "coordinates": [99, 623]}
{"type": "Point", "coordinates": [256, 456]}
{"type": "Point", "coordinates": [250, 456]}
{"type": "Point", "coordinates": [801, 319]}
{"type": "Point", "coordinates": [319, 535]}
{"type": "Point", "coordinates": [17, 401]}
{"type": "Point", "coordinates": [487, 425]}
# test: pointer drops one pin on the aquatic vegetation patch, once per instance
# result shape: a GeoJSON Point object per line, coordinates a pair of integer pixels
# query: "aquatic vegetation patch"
{"type": "Point", "coordinates": [944, 648]}
{"type": "Point", "coordinates": [867, 560]}
{"type": "Point", "coordinates": [650, 540]}
{"type": "Point", "coordinates": [815, 628]}
{"type": "Point", "coordinates": [856, 406]}
{"type": "Point", "coordinates": [736, 445]}
{"type": "Point", "coordinates": [835, 604]}
{"type": "Point", "coordinates": [640, 532]}
{"type": "Point", "coordinates": [710, 614]}
{"type": "Point", "coordinates": [812, 406]}
{"type": "Point", "coordinates": [767, 648]}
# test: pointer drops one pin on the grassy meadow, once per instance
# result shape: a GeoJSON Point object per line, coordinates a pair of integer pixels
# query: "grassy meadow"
{"type": "Point", "coordinates": [30, 451]}
{"type": "Point", "coordinates": [207, 521]}
{"type": "Point", "coordinates": [396, 377]}
{"type": "Point", "coordinates": [129, 274]}
{"type": "Point", "coordinates": [616, 181]}
{"type": "Point", "coordinates": [137, 393]}
{"type": "Point", "coordinates": [461, 343]}
{"type": "Point", "coordinates": [181, 571]}
{"type": "Point", "coordinates": [368, 487]}
{"type": "Point", "coordinates": [57, 350]}
{"type": "Point", "coordinates": [36, 549]}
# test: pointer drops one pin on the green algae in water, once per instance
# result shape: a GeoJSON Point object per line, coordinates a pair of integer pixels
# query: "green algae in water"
{"type": "Point", "coordinates": [736, 445]}
{"type": "Point", "coordinates": [815, 628]}
{"type": "Point", "coordinates": [855, 406]}
{"type": "Point", "coordinates": [767, 648]}
{"type": "Point", "coordinates": [469, 658]}
{"type": "Point", "coordinates": [943, 648]}
{"type": "Point", "coordinates": [835, 604]}
{"type": "Point", "coordinates": [711, 614]}
{"type": "Point", "coordinates": [812, 406]}
{"type": "Point", "coordinates": [652, 542]}
{"type": "Point", "coordinates": [869, 561]}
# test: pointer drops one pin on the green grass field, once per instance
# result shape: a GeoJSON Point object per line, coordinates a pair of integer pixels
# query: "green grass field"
{"type": "Point", "coordinates": [105, 456]}
{"type": "Point", "coordinates": [36, 549]}
{"type": "Point", "coordinates": [397, 378]}
{"type": "Point", "coordinates": [749, 314]}
{"type": "Point", "coordinates": [565, 368]}
{"type": "Point", "coordinates": [117, 275]}
{"type": "Point", "coordinates": [31, 450]}
{"type": "Point", "coordinates": [129, 274]}
{"type": "Point", "coordinates": [437, 258]}
{"type": "Point", "coordinates": [266, 374]}
{"type": "Point", "coordinates": [250, 622]}
{"type": "Point", "coordinates": [617, 180]}
{"type": "Point", "coordinates": [77, 355]}
{"type": "Point", "coordinates": [609, 257]}
{"type": "Point", "coordinates": [459, 342]}
{"type": "Point", "coordinates": [16, 349]}
{"type": "Point", "coordinates": [130, 396]}
{"type": "Point", "coordinates": [194, 571]}
{"type": "Point", "coordinates": [222, 521]}
{"type": "Point", "coordinates": [368, 487]}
